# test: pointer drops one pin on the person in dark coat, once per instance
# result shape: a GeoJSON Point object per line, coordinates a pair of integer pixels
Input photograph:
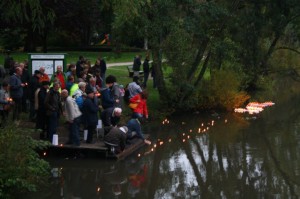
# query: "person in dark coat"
{"type": "Point", "coordinates": [103, 70]}
{"type": "Point", "coordinates": [137, 65]}
{"type": "Point", "coordinates": [110, 118]}
{"type": "Point", "coordinates": [25, 78]}
{"type": "Point", "coordinates": [79, 66]}
{"type": "Point", "coordinates": [90, 114]}
{"type": "Point", "coordinates": [53, 109]}
{"type": "Point", "coordinates": [33, 86]}
{"type": "Point", "coordinates": [41, 119]}
{"type": "Point", "coordinates": [146, 70]}
{"type": "Point", "coordinates": [116, 137]}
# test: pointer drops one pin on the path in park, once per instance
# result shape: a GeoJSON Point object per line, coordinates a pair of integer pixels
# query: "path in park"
{"type": "Point", "coordinates": [120, 64]}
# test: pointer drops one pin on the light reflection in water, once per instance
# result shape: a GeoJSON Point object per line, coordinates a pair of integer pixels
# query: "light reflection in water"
{"type": "Point", "coordinates": [227, 156]}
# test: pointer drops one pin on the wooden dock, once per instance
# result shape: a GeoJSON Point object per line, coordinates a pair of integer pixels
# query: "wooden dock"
{"type": "Point", "coordinates": [98, 146]}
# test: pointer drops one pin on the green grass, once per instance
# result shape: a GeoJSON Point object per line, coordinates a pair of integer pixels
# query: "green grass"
{"type": "Point", "coordinates": [72, 56]}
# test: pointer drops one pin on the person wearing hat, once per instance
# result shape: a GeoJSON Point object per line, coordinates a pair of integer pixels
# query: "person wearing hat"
{"type": "Point", "coordinates": [41, 119]}
{"type": "Point", "coordinates": [34, 84]}
{"type": "Point", "coordinates": [116, 137]}
{"type": "Point", "coordinates": [90, 114]}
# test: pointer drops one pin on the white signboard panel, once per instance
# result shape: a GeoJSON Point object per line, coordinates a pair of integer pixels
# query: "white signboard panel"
{"type": "Point", "coordinates": [47, 64]}
{"type": "Point", "coordinates": [47, 56]}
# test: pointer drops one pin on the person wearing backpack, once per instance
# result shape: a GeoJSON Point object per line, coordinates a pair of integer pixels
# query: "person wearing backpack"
{"type": "Point", "coordinates": [116, 91]}
{"type": "Point", "coordinates": [79, 94]}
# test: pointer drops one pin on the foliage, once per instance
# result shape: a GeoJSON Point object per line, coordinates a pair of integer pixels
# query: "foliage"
{"type": "Point", "coordinates": [29, 17]}
{"type": "Point", "coordinates": [20, 166]}
{"type": "Point", "coordinates": [225, 91]}
{"type": "Point", "coordinates": [222, 91]}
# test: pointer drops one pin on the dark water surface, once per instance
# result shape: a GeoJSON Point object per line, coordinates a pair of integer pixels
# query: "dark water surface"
{"type": "Point", "coordinates": [233, 156]}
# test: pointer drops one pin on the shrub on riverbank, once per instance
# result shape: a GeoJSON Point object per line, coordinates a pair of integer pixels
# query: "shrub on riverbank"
{"type": "Point", "coordinates": [21, 169]}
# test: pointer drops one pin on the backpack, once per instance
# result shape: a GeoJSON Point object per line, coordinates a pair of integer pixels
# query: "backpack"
{"type": "Point", "coordinates": [79, 101]}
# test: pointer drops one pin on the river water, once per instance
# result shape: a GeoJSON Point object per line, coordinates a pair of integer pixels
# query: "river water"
{"type": "Point", "coordinates": [195, 155]}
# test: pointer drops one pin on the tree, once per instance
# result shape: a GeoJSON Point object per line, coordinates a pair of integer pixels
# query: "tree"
{"type": "Point", "coordinates": [29, 18]}
{"type": "Point", "coordinates": [195, 36]}
{"type": "Point", "coordinates": [79, 20]}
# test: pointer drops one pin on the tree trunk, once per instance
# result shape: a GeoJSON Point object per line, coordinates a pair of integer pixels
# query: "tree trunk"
{"type": "Point", "coordinates": [145, 43]}
{"type": "Point", "coordinates": [198, 59]}
{"type": "Point", "coordinates": [159, 77]}
{"type": "Point", "coordinates": [263, 63]}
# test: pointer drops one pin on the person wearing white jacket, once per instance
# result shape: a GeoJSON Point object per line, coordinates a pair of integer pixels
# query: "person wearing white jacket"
{"type": "Point", "coordinates": [72, 114]}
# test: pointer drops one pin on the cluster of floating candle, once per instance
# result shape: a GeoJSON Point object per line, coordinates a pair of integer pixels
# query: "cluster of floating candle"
{"type": "Point", "coordinates": [204, 128]}
{"type": "Point", "coordinates": [254, 107]}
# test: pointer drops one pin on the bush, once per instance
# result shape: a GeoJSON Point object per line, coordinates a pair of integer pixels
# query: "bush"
{"type": "Point", "coordinates": [225, 90]}
{"type": "Point", "coordinates": [21, 168]}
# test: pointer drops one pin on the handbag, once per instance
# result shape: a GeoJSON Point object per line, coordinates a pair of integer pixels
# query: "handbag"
{"type": "Point", "coordinates": [133, 105]}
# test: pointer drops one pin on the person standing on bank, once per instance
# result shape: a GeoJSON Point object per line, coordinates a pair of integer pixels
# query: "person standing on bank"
{"type": "Point", "coordinates": [59, 74]}
{"type": "Point", "coordinates": [16, 92]}
{"type": "Point", "coordinates": [72, 114]}
{"type": "Point", "coordinates": [34, 84]}
{"type": "Point", "coordinates": [137, 65]}
{"type": "Point", "coordinates": [53, 109]}
{"type": "Point", "coordinates": [41, 118]}
{"type": "Point", "coordinates": [5, 104]}
{"type": "Point", "coordinates": [146, 70]}
{"type": "Point", "coordinates": [134, 88]}
{"type": "Point", "coordinates": [90, 114]}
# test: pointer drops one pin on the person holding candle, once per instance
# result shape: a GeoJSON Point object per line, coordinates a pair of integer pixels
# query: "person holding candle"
{"type": "Point", "coordinates": [16, 92]}
{"type": "Point", "coordinates": [5, 102]}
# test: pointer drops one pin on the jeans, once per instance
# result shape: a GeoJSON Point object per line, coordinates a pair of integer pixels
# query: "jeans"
{"type": "Point", "coordinates": [137, 115]}
{"type": "Point", "coordinates": [74, 137]}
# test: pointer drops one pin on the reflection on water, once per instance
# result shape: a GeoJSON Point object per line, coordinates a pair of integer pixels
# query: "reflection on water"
{"type": "Point", "coordinates": [196, 156]}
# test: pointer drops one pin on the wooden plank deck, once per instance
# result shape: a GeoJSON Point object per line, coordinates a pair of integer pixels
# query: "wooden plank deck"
{"type": "Point", "coordinates": [98, 146]}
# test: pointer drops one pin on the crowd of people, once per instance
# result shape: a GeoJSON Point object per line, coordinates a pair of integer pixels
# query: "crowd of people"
{"type": "Point", "coordinates": [83, 95]}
